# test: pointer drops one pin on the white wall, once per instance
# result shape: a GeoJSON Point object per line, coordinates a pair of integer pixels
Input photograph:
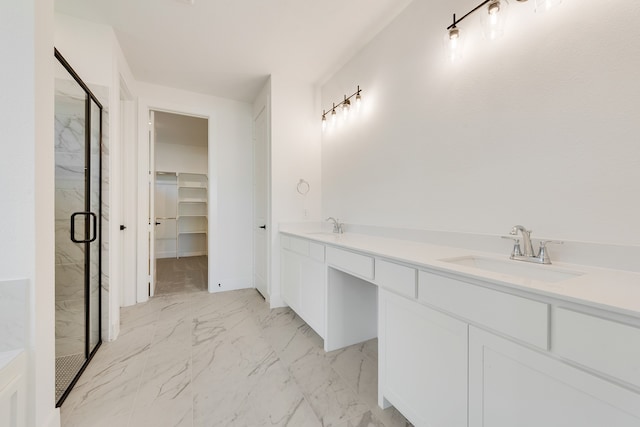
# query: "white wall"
{"type": "Point", "coordinates": [26, 220]}
{"type": "Point", "coordinates": [181, 158]}
{"type": "Point", "coordinates": [539, 128]}
{"type": "Point", "coordinates": [295, 154]}
{"type": "Point", "coordinates": [230, 172]}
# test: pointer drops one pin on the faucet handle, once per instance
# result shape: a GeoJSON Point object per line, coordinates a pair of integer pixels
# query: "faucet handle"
{"type": "Point", "coordinates": [543, 243]}
{"type": "Point", "coordinates": [542, 253]}
{"type": "Point", "coordinates": [516, 246]}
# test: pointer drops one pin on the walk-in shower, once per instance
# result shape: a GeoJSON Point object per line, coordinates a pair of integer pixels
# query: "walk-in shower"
{"type": "Point", "coordinates": [78, 164]}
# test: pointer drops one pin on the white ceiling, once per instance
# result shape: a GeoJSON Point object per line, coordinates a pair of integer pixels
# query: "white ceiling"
{"type": "Point", "coordinates": [228, 48]}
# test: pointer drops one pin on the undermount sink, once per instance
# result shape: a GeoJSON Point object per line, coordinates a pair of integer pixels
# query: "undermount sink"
{"type": "Point", "coordinates": [541, 272]}
{"type": "Point", "coordinates": [323, 233]}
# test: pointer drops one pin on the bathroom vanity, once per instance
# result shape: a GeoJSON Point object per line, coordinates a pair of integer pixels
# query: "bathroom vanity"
{"type": "Point", "coordinates": [474, 339]}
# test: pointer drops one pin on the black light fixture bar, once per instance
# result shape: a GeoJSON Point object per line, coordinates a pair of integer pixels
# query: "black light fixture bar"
{"type": "Point", "coordinates": [344, 101]}
{"type": "Point", "coordinates": [456, 21]}
{"type": "Point", "coordinates": [466, 14]}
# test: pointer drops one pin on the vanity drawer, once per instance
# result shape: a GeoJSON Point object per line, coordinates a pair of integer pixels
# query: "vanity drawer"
{"type": "Point", "coordinates": [299, 246]}
{"type": "Point", "coordinates": [350, 262]}
{"type": "Point", "coordinates": [316, 251]}
{"type": "Point", "coordinates": [604, 345]}
{"type": "Point", "coordinates": [518, 317]}
{"type": "Point", "coordinates": [396, 278]}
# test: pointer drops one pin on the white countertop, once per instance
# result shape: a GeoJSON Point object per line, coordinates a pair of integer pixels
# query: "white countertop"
{"type": "Point", "coordinates": [612, 290]}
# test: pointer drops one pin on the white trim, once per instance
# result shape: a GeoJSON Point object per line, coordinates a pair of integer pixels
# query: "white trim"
{"type": "Point", "coordinates": [142, 290]}
{"type": "Point", "coordinates": [143, 196]}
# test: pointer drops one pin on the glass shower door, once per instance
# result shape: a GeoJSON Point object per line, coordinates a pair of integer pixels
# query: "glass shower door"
{"type": "Point", "coordinates": [78, 121]}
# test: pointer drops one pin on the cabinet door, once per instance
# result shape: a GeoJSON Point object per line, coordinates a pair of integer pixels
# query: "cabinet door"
{"type": "Point", "coordinates": [290, 279]}
{"type": "Point", "coordinates": [422, 362]}
{"type": "Point", "coordinates": [510, 385]}
{"type": "Point", "coordinates": [312, 294]}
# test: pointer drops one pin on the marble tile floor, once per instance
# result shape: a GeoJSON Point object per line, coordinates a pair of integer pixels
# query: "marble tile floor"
{"type": "Point", "coordinates": [225, 359]}
{"type": "Point", "coordinates": [186, 274]}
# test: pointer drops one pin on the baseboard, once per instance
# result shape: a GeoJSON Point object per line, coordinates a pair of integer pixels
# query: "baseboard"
{"type": "Point", "coordinates": [275, 301]}
{"type": "Point", "coordinates": [115, 331]}
{"type": "Point", "coordinates": [188, 254]}
{"type": "Point", "coordinates": [161, 255]}
{"type": "Point", "coordinates": [230, 284]}
{"type": "Point", "coordinates": [53, 420]}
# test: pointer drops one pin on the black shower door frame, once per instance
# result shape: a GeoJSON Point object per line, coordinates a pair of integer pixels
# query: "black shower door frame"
{"type": "Point", "coordinates": [97, 226]}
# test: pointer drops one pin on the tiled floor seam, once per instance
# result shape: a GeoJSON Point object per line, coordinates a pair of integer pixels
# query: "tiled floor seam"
{"type": "Point", "coordinates": [293, 378]}
{"type": "Point", "coordinates": [141, 376]}
{"type": "Point", "coordinates": [291, 375]}
{"type": "Point", "coordinates": [342, 378]}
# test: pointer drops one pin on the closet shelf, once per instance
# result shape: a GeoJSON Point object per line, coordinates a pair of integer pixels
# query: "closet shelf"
{"type": "Point", "coordinates": [192, 185]}
{"type": "Point", "coordinates": [190, 194]}
{"type": "Point", "coordinates": [192, 211]}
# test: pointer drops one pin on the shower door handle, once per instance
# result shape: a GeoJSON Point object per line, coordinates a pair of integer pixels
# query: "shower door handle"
{"type": "Point", "coordinates": [94, 227]}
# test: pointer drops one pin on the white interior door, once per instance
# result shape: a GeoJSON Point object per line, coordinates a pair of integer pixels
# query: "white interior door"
{"type": "Point", "coordinates": [122, 202]}
{"type": "Point", "coordinates": [260, 203]}
{"type": "Point", "coordinates": [152, 217]}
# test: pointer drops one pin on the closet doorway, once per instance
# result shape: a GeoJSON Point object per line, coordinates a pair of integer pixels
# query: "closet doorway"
{"type": "Point", "coordinates": [180, 203]}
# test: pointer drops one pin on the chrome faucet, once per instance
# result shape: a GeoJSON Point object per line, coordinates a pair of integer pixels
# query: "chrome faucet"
{"type": "Point", "coordinates": [338, 227]}
{"type": "Point", "coordinates": [526, 254]}
{"type": "Point", "coordinates": [526, 239]}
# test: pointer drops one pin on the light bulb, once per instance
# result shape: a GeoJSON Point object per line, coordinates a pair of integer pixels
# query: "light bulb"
{"type": "Point", "coordinates": [346, 105]}
{"type": "Point", "coordinates": [493, 19]}
{"type": "Point", "coordinates": [453, 41]}
{"type": "Point", "coordinates": [324, 120]}
{"type": "Point", "coordinates": [333, 116]}
{"type": "Point", "coordinates": [493, 14]}
{"type": "Point", "coordinates": [358, 100]}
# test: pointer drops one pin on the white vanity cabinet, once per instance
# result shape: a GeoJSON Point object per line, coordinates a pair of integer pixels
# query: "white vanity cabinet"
{"type": "Point", "coordinates": [504, 360]}
{"type": "Point", "coordinates": [303, 280]}
{"type": "Point", "coordinates": [512, 385]}
{"type": "Point", "coordinates": [463, 350]}
{"type": "Point", "coordinates": [422, 362]}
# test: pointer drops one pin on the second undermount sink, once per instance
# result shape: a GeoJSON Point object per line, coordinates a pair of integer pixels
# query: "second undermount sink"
{"type": "Point", "coordinates": [544, 273]}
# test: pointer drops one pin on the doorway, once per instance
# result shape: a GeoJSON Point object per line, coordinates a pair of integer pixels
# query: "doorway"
{"type": "Point", "coordinates": [78, 226]}
{"type": "Point", "coordinates": [180, 203]}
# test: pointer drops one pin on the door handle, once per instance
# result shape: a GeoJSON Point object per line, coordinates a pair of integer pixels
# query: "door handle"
{"type": "Point", "coordinates": [264, 227]}
{"type": "Point", "coordinates": [122, 227]}
{"type": "Point", "coordinates": [158, 223]}
{"type": "Point", "coordinates": [94, 227]}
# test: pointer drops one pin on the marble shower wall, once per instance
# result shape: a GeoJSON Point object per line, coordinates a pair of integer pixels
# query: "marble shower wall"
{"type": "Point", "coordinates": [69, 198]}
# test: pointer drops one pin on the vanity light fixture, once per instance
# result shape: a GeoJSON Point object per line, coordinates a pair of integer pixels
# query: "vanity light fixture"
{"type": "Point", "coordinates": [493, 18]}
{"type": "Point", "coordinates": [453, 40]}
{"type": "Point", "coordinates": [344, 105]}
